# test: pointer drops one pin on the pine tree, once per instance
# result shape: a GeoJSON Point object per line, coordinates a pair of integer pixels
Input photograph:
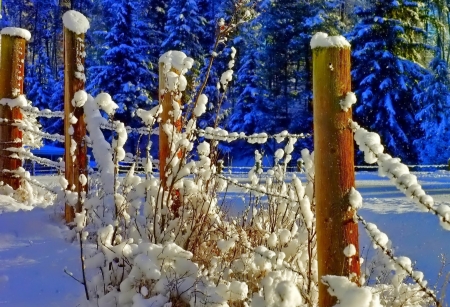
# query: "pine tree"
{"type": "Point", "coordinates": [384, 80]}
{"type": "Point", "coordinates": [246, 113]}
{"type": "Point", "coordinates": [40, 87]}
{"type": "Point", "coordinates": [124, 73]}
{"type": "Point", "coordinates": [434, 146]}
{"type": "Point", "coordinates": [185, 27]}
{"type": "Point", "coordinates": [207, 10]}
{"type": "Point", "coordinates": [152, 18]}
{"type": "Point", "coordinates": [280, 39]}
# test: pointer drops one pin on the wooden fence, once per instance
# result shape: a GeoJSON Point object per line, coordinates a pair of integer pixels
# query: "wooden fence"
{"type": "Point", "coordinates": [333, 142]}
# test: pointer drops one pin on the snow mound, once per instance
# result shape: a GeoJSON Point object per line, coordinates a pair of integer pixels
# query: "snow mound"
{"type": "Point", "coordinates": [321, 39]}
{"type": "Point", "coordinates": [17, 32]}
{"type": "Point", "coordinates": [75, 22]}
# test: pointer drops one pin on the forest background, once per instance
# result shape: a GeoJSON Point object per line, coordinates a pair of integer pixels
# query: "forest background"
{"type": "Point", "coordinates": [400, 57]}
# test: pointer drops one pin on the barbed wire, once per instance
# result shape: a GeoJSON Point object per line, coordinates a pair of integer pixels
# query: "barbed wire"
{"type": "Point", "coordinates": [142, 130]}
{"type": "Point", "coordinates": [219, 134]}
{"type": "Point", "coordinates": [54, 137]}
{"type": "Point", "coordinates": [422, 199]}
{"type": "Point", "coordinates": [29, 110]}
{"type": "Point", "coordinates": [389, 253]}
{"type": "Point", "coordinates": [22, 154]}
{"type": "Point", "coordinates": [408, 165]}
{"type": "Point", "coordinates": [40, 185]}
{"type": "Point", "coordinates": [34, 182]}
{"type": "Point", "coordinates": [248, 187]}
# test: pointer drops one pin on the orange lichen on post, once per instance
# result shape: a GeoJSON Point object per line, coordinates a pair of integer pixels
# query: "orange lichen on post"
{"type": "Point", "coordinates": [12, 72]}
{"type": "Point", "coordinates": [334, 164]}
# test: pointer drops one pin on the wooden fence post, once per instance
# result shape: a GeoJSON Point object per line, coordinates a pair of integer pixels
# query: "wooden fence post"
{"type": "Point", "coordinates": [75, 26]}
{"type": "Point", "coordinates": [165, 99]}
{"type": "Point", "coordinates": [334, 163]}
{"type": "Point", "coordinates": [12, 69]}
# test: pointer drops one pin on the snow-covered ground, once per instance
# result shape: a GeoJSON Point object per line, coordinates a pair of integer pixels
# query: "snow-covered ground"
{"type": "Point", "coordinates": [34, 250]}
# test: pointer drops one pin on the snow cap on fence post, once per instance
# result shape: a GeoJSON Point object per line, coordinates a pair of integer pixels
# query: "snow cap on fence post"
{"type": "Point", "coordinates": [334, 158]}
{"type": "Point", "coordinates": [17, 32]}
{"type": "Point", "coordinates": [322, 40]}
{"type": "Point", "coordinates": [76, 22]}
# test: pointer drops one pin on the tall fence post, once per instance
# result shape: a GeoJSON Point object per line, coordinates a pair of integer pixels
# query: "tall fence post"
{"type": "Point", "coordinates": [75, 27]}
{"type": "Point", "coordinates": [165, 100]}
{"type": "Point", "coordinates": [334, 163]}
{"type": "Point", "coordinates": [12, 72]}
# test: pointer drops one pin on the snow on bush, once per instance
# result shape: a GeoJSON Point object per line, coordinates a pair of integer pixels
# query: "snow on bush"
{"type": "Point", "coordinates": [176, 246]}
{"type": "Point", "coordinates": [157, 245]}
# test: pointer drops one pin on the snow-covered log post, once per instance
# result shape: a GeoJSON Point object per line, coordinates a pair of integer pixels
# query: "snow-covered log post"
{"type": "Point", "coordinates": [11, 98]}
{"type": "Point", "coordinates": [337, 230]}
{"type": "Point", "coordinates": [165, 100]}
{"type": "Point", "coordinates": [75, 27]}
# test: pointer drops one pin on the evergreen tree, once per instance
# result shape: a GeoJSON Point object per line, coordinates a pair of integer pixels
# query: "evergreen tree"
{"type": "Point", "coordinates": [276, 66]}
{"type": "Point", "coordinates": [40, 88]}
{"type": "Point", "coordinates": [384, 81]}
{"type": "Point", "coordinates": [207, 10]}
{"type": "Point", "coordinates": [124, 73]}
{"type": "Point", "coordinates": [434, 147]}
{"type": "Point", "coordinates": [286, 31]}
{"type": "Point", "coordinates": [185, 27]}
{"type": "Point", "coordinates": [251, 98]}
{"type": "Point", "coordinates": [151, 23]}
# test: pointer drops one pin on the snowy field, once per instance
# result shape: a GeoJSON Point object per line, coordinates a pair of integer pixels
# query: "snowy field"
{"type": "Point", "coordinates": [34, 250]}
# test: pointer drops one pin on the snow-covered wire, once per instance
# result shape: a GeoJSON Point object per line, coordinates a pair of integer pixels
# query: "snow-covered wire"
{"type": "Point", "coordinates": [397, 172]}
{"type": "Point", "coordinates": [29, 110]}
{"type": "Point", "coordinates": [408, 165]}
{"type": "Point", "coordinates": [24, 175]}
{"type": "Point", "coordinates": [248, 187]}
{"type": "Point", "coordinates": [380, 240]}
{"type": "Point", "coordinates": [54, 137]}
{"type": "Point", "coordinates": [219, 134]}
{"type": "Point", "coordinates": [128, 129]}
{"type": "Point", "coordinates": [24, 154]}
{"type": "Point", "coordinates": [40, 185]}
